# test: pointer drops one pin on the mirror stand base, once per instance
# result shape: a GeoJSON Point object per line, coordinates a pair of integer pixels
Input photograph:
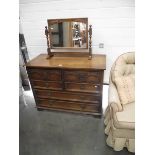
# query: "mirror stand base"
{"type": "Point", "coordinates": [50, 54]}
{"type": "Point", "coordinates": [90, 52]}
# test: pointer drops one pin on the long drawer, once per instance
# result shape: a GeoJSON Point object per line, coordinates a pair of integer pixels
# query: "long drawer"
{"type": "Point", "coordinates": [83, 76]}
{"type": "Point", "coordinates": [45, 74]}
{"type": "Point", "coordinates": [80, 87]}
{"type": "Point", "coordinates": [82, 97]}
{"type": "Point", "coordinates": [68, 105]}
{"type": "Point", "coordinates": [58, 85]}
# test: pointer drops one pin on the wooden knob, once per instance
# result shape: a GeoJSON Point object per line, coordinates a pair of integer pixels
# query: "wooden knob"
{"type": "Point", "coordinates": [97, 87]}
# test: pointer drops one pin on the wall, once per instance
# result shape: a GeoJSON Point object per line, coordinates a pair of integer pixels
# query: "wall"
{"type": "Point", "coordinates": [112, 20]}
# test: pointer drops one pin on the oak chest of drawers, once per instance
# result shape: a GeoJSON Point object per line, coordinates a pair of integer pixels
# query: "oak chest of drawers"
{"type": "Point", "coordinates": [71, 84]}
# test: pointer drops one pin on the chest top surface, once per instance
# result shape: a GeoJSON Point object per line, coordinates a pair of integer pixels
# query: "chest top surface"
{"type": "Point", "coordinates": [97, 62]}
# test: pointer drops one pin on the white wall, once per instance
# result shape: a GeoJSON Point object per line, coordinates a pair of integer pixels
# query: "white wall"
{"type": "Point", "coordinates": [112, 21]}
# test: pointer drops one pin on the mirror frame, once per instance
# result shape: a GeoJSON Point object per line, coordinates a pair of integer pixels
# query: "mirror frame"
{"type": "Point", "coordinates": [60, 50]}
{"type": "Point", "coordinates": [56, 21]}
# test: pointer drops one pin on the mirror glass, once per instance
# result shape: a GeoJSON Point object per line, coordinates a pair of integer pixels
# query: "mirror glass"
{"type": "Point", "coordinates": [68, 33]}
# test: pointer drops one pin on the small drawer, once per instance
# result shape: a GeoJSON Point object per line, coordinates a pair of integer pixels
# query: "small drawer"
{"type": "Point", "coordinates": [90, 88]}
{"type": "Point", "coordinates": [83, 76]}
{"type": "Point", "coordinates": [68, 96]}
{"type": "Point", "coordinates": [68, 105]}
{"type": "Point", "coordinates": [44, 74]}
{"type": "Point", "coordinates": [37, 74]}
{"type": "Point", "coordinates": [53, 75]}
{"type": "Point", "coordinates": [47, 85]}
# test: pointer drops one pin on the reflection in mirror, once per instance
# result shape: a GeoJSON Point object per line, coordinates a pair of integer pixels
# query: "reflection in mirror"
{"type": "Point", "coordinates": [69, 34]}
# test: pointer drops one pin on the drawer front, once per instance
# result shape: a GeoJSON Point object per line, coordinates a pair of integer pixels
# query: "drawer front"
{"type": "Point", "coordinates": [47, 85]}
{"type": "Point", "coordinates": [91, 88]}
{"type": "Point", "coordinates": [44, 74]}
{"type": "Point", "coordinates": [68, 96]}
{"type": "Point", "coordinates": [37, 74]}
{"type": "Point", "coordinates": [53, 75]}
{"type": "Point", "coordinates": [68, 105]}
{"type": "Point", "coordinates": [83, 76]}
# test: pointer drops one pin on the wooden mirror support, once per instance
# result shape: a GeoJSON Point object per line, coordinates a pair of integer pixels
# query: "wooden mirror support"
{"type": "Point", "coordinates": [90, 42]}
{"type": "Point", "coordinates": [50, 54]}
{"type": "Point", "coordinates": [51, 50]}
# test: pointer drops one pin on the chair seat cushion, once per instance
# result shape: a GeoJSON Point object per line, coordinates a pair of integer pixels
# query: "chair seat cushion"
{"type": "Point", "coordinates": [126, 117]}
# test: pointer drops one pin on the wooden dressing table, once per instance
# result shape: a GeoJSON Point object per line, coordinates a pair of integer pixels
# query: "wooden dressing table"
{"type": "Point", "coordinates": [72, 84]}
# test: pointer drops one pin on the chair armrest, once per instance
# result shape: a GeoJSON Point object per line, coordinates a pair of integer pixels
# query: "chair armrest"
{"type": "Point", "coordinates": [113, 98]}
{"type": "Point", "coordinates": [114, 107]}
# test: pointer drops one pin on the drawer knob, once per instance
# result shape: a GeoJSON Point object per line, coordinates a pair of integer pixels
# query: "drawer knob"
{"type": "Point", "coordinates": [97, 87]}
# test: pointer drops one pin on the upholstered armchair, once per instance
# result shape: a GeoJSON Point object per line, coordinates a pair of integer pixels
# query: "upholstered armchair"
{"type": "Point", "coordinates": [120, 113]}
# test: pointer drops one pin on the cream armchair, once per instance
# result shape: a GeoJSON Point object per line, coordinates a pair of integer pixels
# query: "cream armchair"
{"type": "Point", "coordinates": [120, 113]}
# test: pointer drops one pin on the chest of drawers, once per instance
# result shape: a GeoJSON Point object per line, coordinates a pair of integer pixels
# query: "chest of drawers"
{"type": "Point", "coordinates": [67, 83]}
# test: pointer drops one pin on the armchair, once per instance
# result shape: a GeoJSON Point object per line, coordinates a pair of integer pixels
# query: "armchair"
{"type": "Point", "coordinates": [120, 113]}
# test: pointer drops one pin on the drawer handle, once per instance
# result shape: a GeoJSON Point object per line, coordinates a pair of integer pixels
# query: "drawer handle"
{"type": "Point", "coordinates": [97, 87]}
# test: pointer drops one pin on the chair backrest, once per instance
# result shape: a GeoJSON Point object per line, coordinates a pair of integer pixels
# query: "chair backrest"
{"type": "Point", "coordinates": [122, 76]}
{"type": "Point", "coordinates": [123, 66]}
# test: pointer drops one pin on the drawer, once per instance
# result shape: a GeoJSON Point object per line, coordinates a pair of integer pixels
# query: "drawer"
{"type": "Point", "coordinates": [68, 96]}
{"type": "Point", "coordinates": [44, 74]}
{"type": "Point", "coordinates": [83, 76]}
{"type": "Point", "coordinates": [47, 85]}
{"type": "Point", "coordinates": [53, 75]}
{"type": "Point", "coordinates": [68, 105]}
{"type": "Point", "coordinates": [37, 74]}
{"type": "Point", "coordinates": [90, 88]}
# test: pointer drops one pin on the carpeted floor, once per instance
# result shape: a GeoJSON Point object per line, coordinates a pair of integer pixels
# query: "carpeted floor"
{"type": "Point", "coordinates": [56, 133]}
